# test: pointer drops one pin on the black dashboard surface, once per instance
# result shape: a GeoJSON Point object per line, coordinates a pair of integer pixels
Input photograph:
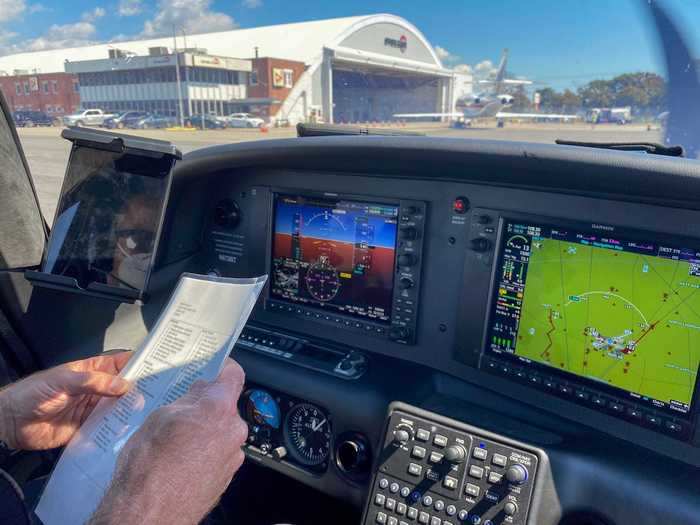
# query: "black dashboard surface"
{"type": "Point", "coordinates": [602, 464]}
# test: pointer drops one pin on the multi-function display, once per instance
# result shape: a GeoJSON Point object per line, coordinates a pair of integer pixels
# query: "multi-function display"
{"type": "Point", "coordinates": [618, 313]}
{"type": "Point", "coordinates": [335, 254]}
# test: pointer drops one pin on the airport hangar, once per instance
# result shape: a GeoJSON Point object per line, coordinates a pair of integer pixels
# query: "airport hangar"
{"type": "Point", "coordinates": [356, 69]}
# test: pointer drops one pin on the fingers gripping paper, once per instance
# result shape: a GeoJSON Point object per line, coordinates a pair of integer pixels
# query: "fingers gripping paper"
{"type": "Point", "coordinates": [190, 341]}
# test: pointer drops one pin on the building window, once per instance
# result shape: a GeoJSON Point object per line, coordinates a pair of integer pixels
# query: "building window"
{"type": "Point", "coordinates": [45, 86]}
{"type": "Point", "coordinates": [26, 87]}
{"type": "Point", "coordinates": [76, 87]}
{"type": "Point", "coordinates": [18, 88]}
{"type": "Point", "coordinates": [54, 86]}
{"type": "Point", "coordinates": [254, 77]}
{"type": "Point", "coordinates": [49, 109]}
{"type": "Point", "coordinates": [288, 78]}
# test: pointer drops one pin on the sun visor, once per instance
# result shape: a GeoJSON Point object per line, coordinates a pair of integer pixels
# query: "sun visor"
{"type": "Point", "coordinates": [109, 217]}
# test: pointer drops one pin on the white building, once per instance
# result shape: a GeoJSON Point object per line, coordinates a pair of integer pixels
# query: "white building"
{"type": "Point", "coordinates": [363, 68]}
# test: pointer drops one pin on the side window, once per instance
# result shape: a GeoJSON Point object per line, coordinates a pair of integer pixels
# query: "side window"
{"type": "Point", "coordinates": [254, 77]}
{"type": "Point", "coordinates": [288, 78]}
{"type": "Point", "coordinates": [26, 87]}
{"type": "Point", "coordinates": [45, 86]}
{"type": "Point", "coordinates": [18, 88]}
{"type": "Point", "coordinates": [54, 86]}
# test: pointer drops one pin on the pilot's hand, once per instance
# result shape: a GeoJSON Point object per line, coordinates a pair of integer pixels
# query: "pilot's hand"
{"type": "Point", "coordinates": [44, 410]}
{"type": "Point", "coordinates": [177, 465]}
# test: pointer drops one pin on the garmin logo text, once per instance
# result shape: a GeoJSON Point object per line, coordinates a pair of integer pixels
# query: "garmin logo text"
{"type": "Point", "coordinates": [603, 227]}
{"type": "Point", "coordinates": [401, 43]}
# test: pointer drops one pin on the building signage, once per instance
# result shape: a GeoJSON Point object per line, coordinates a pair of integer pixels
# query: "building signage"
{"type": "Point", "coordinates": [33, 84]}
{"type": "Point", "coordinates": [401, 43]}
{"type": "Point", "coordinates": [277, 77]}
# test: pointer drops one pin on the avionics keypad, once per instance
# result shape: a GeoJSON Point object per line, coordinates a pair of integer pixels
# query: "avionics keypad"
{"type": "Point", "coordinates": [463, 477]}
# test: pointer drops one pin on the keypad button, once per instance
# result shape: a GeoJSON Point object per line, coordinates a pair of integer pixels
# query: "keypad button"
{"type": "Point", "coordinates": [424, 518]}
{"type": "Point", "coordinates": [435, 520]}
{"type": "Point", "coordinates": [392, 521]}
{"type": "Point", "coordinates": [463, 514]}
{"type": "Point", "coordinates": [439, 505]}
{"type": "Point", "coordinates": [394, 488]}
{"type": "Point", "coordinates": [401, 508]}
{"type": "Point", "coordinates": [449, 482]}
{"type": "Point", "coordinates": [499, 460]}
{"type": "Point", "coordinates": [414, 469]}
{"type": "Point", "coordinates": [440, 441]}
{"type": "Point", "coordinates": [418, 452]}
{"type": "Point", "coordinates": [435, 457]}
{"type": "Point", "coordinates": [451, 510]}
{"type": "Point", "coordinates": [390, 504]}
{"type": "Point", "coordinates": [412, 513]}
{"type": "Point", "coordinates": [422, 434]}
{"type": "Point", "coordinates": [495, 477]}
{"type": "Point", "coordinates": [381, 518]}
{"type": "Point", "coordinates": [476, 472]}
{"type": "Point", "coordinates": [379, 499]}
{"type": "Point", "coordinates": [472, 490]}
{"type": "Point", "coordinates": [405, 491]}
{"type": "Point", "coordinates": [427, 500]}
{"type": "Point", "coordinates": [480, 453]}
{"type": "Point", "coordinates": [383, 483]}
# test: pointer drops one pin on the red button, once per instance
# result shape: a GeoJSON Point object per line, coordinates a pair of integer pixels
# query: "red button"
{"type": "Point", "coordinates": [460, 205]}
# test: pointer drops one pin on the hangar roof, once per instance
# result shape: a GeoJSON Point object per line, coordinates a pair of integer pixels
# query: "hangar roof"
{"type": "Point", "coordinates": [302, 41]}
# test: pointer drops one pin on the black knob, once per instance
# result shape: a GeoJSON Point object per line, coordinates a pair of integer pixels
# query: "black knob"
{"type": "Point", "coordinates": [407, 259]}
{"type": "Point", "coordinates": [405, 283]}
{"type": "Point", "coordinates": [402, 434]}
{"type": "Point", "coordinates": [479, 244]}
{"type": "Point", "coordinates": [516, 474]}
{"type": "Point", "coordinates": [510, 508]}
{"type": "Point", "coordinates": [227, 214]}
{"type": "Point", "coordinates": [353, 456]}
{"type": "Point", "coordinates": [399, 333]}
{"type": "Point", "coordinates": [455, 454]}
{"type": "Point", "coordinates": [409, 233]}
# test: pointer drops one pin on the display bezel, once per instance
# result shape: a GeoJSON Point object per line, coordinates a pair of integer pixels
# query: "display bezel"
{"type": "Point", "coordinates": [629, 234]}
{"type": "Point", "coordinates": [275, 193]}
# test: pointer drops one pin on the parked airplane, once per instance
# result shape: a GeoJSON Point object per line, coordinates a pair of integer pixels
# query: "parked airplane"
{"type": "Point", "coordinates": [488, 103]}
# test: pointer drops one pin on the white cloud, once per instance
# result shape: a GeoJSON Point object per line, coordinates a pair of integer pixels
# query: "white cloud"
{"type": "Point", "coordinates": [57, 36]}
{"type": "Point", "coordinates": [463, 68]}
{"type": "Point", "coordinates": [38, 8]}
{"type": "Point", "coordinates": [486, 68]}
{"type": "Point", "coordinates": [93, 15]}
{"type": "Point", "coordinates": [11, 9]}
{"type": "Point", "coordinates": [252, 4]}
{"type": "Point", "coordinates": [129, 7]}
{"type": "Point", "coordinates": [445, 56]}
{"type": "Point", "coordinates": [194, 16]}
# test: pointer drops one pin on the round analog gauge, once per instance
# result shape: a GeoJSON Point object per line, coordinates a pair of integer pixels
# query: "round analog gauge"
{"type": "Point", "coordinates": [322, 281]}
{"type": "Point", "coordinates": [262, 409]}
{"type": "Point", "coordinates": [308, 434]}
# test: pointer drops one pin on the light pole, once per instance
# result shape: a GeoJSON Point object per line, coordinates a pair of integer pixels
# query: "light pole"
{"type": "Point", "coordinates": [187, 72]}
{"type": "Point", "coordinates": [177, 77]}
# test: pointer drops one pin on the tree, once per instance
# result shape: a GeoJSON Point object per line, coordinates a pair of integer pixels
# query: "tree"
{"type": "Point", "coordinates": [521, 102]}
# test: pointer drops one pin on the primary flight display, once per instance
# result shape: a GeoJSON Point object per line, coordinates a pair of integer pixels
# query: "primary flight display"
{"type": "Point", "coordinates": [336, 254]}
{"type": "Point", "coordinates": [619, 312]}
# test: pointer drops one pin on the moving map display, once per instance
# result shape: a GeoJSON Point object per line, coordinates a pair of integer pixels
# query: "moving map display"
{"type": "Point", "coordinates": [621, 313]}
{"type": "Point", "coordinates": [336, 254]}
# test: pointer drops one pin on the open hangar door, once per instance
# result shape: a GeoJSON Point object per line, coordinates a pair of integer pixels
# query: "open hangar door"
{"type": "Point", "coordinates": [376, 94]}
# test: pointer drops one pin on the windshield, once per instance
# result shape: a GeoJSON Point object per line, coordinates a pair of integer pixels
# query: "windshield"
{"type": "Point", "coordinates": [587, 71]}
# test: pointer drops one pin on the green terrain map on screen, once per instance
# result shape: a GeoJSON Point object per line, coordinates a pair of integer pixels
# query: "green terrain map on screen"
{"type": "Point", "coordinates": [625, 319]}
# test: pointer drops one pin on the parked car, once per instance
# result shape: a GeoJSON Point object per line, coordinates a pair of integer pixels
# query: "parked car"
{"type": "Point", "coordinates": [124, 119]}
{"type": "Point", "coordinates": [244, 120]}
{"type": "Point", "coordinates": [204, 122]}
{"type": "Point", "coordinates": [87, 117]}
{"type": "Point", "coordinates": [29, 119]}
{"type": "Point", "coordinates": [154, 121]}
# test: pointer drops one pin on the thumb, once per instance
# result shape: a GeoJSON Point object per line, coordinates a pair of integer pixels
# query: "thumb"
{"type": "Point", "coordinates": [91, 382]}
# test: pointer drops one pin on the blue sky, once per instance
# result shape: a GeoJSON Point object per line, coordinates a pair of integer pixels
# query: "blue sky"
{"type": "Point", "coordinates": [563, 43]}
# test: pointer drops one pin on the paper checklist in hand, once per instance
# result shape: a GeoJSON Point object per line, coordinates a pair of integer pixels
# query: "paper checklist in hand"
{"type": "Point", "coordinates": [190, 341]}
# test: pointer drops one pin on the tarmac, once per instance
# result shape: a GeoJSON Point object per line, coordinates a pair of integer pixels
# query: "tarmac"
{"type": "Point", "coordinates": [47, 153]}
